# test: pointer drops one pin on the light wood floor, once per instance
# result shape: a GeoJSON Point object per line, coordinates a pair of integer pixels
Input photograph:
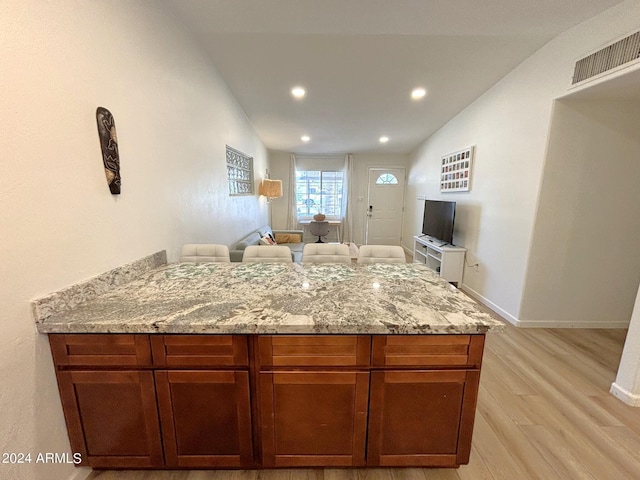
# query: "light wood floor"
{"type": "Point", "coordinates": [544, 412]}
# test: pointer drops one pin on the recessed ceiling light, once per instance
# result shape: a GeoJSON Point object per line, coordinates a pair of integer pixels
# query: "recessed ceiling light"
{"type": "Point", "coordinates": [384, 139]}
{"type": "Point", "coordinates": [298, 92]}
{"type": "Point", "coordinates": [305, 138]}
{"type": "Point", "coordinates": [418, 93]}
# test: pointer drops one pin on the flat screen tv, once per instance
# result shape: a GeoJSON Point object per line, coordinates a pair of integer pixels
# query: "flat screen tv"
{"type": "Point", "coordinates": [438, 220]}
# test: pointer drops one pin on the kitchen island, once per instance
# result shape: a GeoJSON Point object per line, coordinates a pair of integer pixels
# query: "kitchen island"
{"type": "Point", "coordinates": [268, 365]}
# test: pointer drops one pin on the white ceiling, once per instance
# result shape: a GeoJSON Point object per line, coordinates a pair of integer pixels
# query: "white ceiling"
{"type": "Point", "coordinates": [359, 60]}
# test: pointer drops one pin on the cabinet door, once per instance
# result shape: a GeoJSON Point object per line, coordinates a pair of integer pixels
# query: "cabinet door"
{"type": "Point", "coordinates": [112, 418]}
{"type": "Point", "coordinates": [206, 418]}
{"type": "Point", "coordinates": [421, 418]}
{"type": "Point", "coordinates": [313, 418]}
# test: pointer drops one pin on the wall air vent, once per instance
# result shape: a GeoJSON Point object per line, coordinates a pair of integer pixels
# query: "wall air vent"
{"type": "Point", "coordinates": [608, 58]}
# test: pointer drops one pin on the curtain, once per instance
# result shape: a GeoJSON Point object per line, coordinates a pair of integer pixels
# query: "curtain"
{"type": "Point", "coordinates": [347, 207]}
{"type": "Point", "coordinates": [292, 212]}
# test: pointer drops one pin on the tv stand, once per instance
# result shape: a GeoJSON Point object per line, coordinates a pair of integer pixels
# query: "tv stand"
{"type": "Point", "coordinates": [447, 261]}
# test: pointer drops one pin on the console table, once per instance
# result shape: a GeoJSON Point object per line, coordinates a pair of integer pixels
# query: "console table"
{"type": "Point", "coordinates": [446, 260]}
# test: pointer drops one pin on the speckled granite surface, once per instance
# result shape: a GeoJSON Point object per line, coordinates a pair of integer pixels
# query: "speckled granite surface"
{"type": "Point", "coordinates": [259, 298]}
{"type": "Point", "coordinates": [60, 302]}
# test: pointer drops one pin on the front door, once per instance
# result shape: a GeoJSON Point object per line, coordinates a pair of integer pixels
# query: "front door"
{"type": "Point", "coordinates": [384, 206]}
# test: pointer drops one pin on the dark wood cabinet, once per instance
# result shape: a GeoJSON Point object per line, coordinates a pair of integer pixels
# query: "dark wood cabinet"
{"type": "Point", "coordinates": [112, 418]}
{"type": "Point", "coordinates": [421, 418]}
{"type": "Point", "coordinates": [206, 418]}
{"type": "Point", "coordinates": [313, 418]}
{"type": "Point", "coordinates": [100, 350]}
{"type": "Point", "coordinates": [225, 351]}
{"type": "Point", "coordinates": [242, 401]}
{"type": "Point", "coordinates": [314, 392]}
{"type": "Point", "coordinates": [424, 391]}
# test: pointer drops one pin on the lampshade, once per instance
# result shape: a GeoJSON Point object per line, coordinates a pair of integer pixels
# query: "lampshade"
{"type": "Point", "coordinates": [271, 188]}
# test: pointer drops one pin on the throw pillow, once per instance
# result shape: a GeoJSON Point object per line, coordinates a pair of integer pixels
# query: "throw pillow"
{"type": "Point", "coordinates": [288, 238]}
{"type": "Point", "coordinates": [267, 240]}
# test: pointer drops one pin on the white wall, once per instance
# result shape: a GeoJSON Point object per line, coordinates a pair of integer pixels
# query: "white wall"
{"type": "Point", "coordinates": [59, 223]}
{"type": "Point", "coordinates": [280, 161]}
{"type": "Point", "coordinates": [584, 266]}
{"type": "Point", "coordinates": [627, 384]}
{"type": "Point", "coordinates": [509, 126]}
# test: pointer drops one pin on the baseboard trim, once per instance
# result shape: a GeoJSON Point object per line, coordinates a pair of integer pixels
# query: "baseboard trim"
{"type": "Point", "coordinates": [541, 323]}
{"type": "Point", "coordinates": [624, 395]}
{"type": "Point", "coordinates": [80, 473]}
{"type": "Point", "coordinates": [570, 324]}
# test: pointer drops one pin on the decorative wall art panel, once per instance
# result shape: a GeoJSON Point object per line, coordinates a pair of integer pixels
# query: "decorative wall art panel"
{"type": "Point", "coordinates": [109, 146]}
{"type": "Point", "coordinates": [455, 171]}
{"type": "Point", "coordinates": [239, 172]}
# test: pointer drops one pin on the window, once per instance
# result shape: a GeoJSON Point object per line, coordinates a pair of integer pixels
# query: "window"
{"type": "Point", "coordinates": [319, 192]}
{"type": "Point", "coordinates": [387, 179]}
{"type": "Point", "coordinates": [239, 172]}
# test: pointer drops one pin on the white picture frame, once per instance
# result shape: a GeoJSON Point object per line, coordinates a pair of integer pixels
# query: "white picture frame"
{"type": "Point", "coordinates": [455, 171]}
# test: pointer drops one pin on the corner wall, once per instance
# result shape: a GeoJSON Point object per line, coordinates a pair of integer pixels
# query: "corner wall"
{"type": "Point", "coordinates": [584, 265]}
{"type": "Point", "coordinates": [509, 125]}
{"type": "Point", "coordinates": [59, 223]}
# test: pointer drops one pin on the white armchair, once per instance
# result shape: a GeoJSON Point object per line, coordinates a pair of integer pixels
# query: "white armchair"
{"type": "Point", "coordinates": [204, 253]}
{"type": "Point", "coordinates": [381, 254]}
{"type": "Point", "coordinates": [326, 253]}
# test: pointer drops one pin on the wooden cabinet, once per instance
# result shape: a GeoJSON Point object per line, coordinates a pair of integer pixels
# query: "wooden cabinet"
{"type": "Point", "coordinates": [314, 351]}
{"type": "Point", "coordinates": [206, 418]}
{"type": "Point", "coordinates": [206, 351]}
{"type": "Point", "coordinates": [427, 351]}
{"type": "Point", "coordinates": [421, 418]}
{"type": "Point", "coordinates": [314, 394]}
{"type": "Point", "coordinates": [314, 418]}
{"type": "Point", "coordinates": [113, 416]}
{"type": "Point", "coordinates": [108, 399]}
{"type": "Point", "coordinates": [98, 350]}
{"type": "Point", "coordinates": [206, 414]}
{"type": "Point", "coordinates": [423, 398]}
{"type": "Point", "coordinates": [240, 401]}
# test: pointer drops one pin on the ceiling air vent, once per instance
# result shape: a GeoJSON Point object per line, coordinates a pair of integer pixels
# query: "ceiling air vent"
{"type": "Point", "coordinates": [616, 54]}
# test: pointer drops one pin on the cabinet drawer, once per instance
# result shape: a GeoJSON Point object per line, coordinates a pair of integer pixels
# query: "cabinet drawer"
{"type": "Point", "coordinates": [427, 350]}
{"type": "Point", "coordinates": [199, 350]}
{"type": "Point", "coordinates": [314, 350]}
{"type": "Point", "coordinates": [102, 349]}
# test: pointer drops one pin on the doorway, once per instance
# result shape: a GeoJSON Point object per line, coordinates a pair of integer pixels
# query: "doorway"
{"type": "Point", "coordinates": [385, 206]}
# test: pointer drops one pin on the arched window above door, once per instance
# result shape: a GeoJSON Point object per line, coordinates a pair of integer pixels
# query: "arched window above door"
{"type": "Point", "coordinates": [387, 179]}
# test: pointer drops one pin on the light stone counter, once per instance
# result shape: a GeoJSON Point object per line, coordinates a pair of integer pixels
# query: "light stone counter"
{"type": "Point", "coordinates": [259, 298]}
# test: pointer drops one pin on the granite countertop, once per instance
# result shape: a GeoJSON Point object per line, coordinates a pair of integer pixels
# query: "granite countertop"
{"type": "Point", "coordinates": [261, 298]}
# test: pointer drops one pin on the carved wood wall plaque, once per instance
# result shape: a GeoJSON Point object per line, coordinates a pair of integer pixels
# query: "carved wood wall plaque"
{"type": "Point", "coordinates": [109, 145]}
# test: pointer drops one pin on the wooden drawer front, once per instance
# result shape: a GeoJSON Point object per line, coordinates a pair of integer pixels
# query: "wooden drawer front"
{"type": "Point", "coordinates": [100, 349]}
{"type": "Point", "coordinates": [314, 350]}
{"type": "Point", "coordinates": [427, 350]}
{"type": "Point", "coordinates": [200, 350]}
